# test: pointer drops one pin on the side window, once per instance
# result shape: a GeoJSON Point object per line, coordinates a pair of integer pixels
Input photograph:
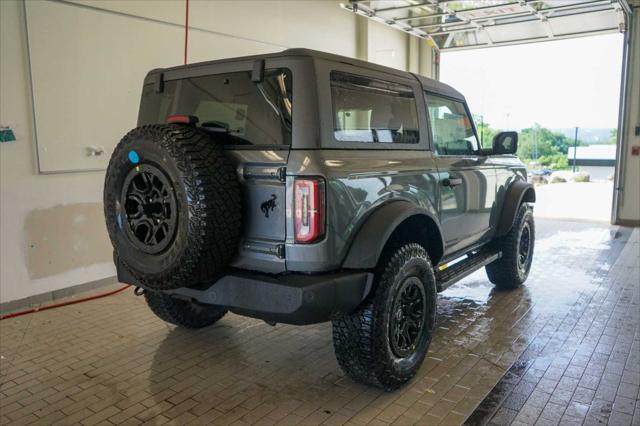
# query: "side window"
{"type": "Point", "coordinates": [371, 110]}
{"type": "Point", "coordinates": [451, 127]}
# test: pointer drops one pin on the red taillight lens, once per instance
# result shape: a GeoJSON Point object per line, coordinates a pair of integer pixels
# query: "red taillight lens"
{"type": "Point", "coordinates": [182, 119]}
{"type": "Point", "coordinates": [308, 209]}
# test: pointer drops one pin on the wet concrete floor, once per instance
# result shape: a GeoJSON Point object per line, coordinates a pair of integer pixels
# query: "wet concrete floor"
{"type": "Point", "coordinates": [110, 361]}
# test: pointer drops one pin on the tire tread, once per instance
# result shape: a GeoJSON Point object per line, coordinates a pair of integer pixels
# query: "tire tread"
{"type": "Point", "coordinates": [357, 340]}
{"type": "Point", "coordinates": [210, 183]}
{"type": "Point", "coordinates": [503, 273]}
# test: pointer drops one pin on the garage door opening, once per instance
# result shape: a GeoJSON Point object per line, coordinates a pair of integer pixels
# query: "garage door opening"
{"type": "Point", "coordinates": [495, 25]}
{"type": "Point", "coordinates": [562, 97]}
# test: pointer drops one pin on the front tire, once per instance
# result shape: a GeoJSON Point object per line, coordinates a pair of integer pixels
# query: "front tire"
{"type": "Point", "coordinates": [384, 342]}
{"type": "Point", "coordinates": [512, 269]}
{"type": "Point", "coordinates": [181, 312]}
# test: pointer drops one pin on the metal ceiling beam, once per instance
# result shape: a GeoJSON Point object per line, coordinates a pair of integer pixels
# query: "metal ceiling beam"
{"type": "Point", "coordinates": [412, 18]}
{"type": "Point", "coordinates": [358, 8]}
{"type": "Point", "coordinates": [626, 7]}
{"type": "Point", "coordinates": [499, 24]}
{"type": "Point", "coordinates": [452, 12]}
{"type": "Point", "coordinates": [480, 25]}
{"type": "Point", "coordinates": [473, 9]}
{"type": "Point", "coordinates": [530, 11]}
{"type": "Point", "coordinates": [409, 6]}
{"type": "Point", "coordinates": [573, 6]}
{"type": "Point", "coordinates": [456, 14]}
{"type": "Point", "coordinates": [543, 18]}
{"type": "Point", "coordinates": [481, 19]}
{"type": "Point", "coordinates": [578, 5]}
{"type": "Point", "coordinates": [536, 39]}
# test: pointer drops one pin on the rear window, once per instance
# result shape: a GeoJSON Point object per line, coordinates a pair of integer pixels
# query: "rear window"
{"type": "Point", "coordinates": [231, 106]}
{"type": "Point", "coordinates": [371, 110]}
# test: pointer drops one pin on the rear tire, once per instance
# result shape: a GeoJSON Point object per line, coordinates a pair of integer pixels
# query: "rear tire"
{"type": "Point", "coordinates": [512, 269]}
{"type": "Point", "coordinates": [181, 312]}
{"type": "Point", "coordinates": [384, 342]}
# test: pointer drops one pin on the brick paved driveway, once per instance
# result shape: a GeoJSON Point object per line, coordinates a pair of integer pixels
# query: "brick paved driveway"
{"type": "Point", "coordinates": [110, 361]}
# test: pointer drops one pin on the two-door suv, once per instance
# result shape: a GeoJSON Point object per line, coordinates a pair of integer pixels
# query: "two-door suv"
{"type": "Point", "coordinates": [302, 187]}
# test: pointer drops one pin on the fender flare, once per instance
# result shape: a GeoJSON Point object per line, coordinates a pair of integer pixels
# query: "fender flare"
{"type": "Point", "coordinates": [518, 192]}
{"type": "Point", "coordinates": [371, 238]}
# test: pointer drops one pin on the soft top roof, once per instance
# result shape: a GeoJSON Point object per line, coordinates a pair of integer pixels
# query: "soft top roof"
{"type": "Point", "coordinates": [428, 83]}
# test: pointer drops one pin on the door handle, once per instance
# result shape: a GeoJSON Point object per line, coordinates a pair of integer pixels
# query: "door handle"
{"type": "Point", "coordinates": [451, 182]}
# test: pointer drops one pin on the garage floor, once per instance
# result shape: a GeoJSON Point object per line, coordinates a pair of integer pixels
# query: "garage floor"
{"type": "Point", "coordinates": [566, 347]}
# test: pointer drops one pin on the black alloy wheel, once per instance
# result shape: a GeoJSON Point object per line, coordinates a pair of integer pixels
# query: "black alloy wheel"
{"type": "Point", "coordinates": [149, 203]}
{"type": "Point", "coordinates": [524, 248]}
{"type": "Point", "coordinates": [407, 317]}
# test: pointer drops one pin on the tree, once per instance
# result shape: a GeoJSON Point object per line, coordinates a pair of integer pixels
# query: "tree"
{"type": "Point", "coordinates": [613, 137]}
{"type": "Point", "coordinates": [537, 141]}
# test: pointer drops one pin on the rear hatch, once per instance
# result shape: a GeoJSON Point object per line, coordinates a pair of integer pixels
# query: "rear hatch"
{"type": "Point", "coordinates": [252, 120]}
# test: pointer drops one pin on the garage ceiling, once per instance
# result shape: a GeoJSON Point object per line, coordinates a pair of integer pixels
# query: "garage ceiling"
{"type": "Point", "coordinates": [456, 25]}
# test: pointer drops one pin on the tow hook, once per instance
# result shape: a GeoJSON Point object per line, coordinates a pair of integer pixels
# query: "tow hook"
{"type": "Point", "coordinates": [138, 291]}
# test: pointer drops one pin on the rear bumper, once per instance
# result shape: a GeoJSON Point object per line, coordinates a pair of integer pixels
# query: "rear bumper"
{"type": "Point", "coordinates": [290, 299]}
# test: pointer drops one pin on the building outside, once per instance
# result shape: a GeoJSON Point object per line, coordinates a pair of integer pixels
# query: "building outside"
{"type": "Point", "coordinates": [597, 160]}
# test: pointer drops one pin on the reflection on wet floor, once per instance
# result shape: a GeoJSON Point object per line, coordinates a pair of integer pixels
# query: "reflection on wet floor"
{"type": "Point", "coordinates": [565, 249]}
{"type": "Point", "coordinates": [111, 359]}
{"type": "Point", "coordinates": [584, 365]}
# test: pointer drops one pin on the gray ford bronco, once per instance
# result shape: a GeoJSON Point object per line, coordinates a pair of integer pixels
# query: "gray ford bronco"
{"type": "Point", "coordinates": [303, 187]}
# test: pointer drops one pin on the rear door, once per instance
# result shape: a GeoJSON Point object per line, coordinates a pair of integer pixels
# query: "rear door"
{"type": "Point", "coordinates": [253, 122]}
{"type": "Point", "coordinates": [467, 180]}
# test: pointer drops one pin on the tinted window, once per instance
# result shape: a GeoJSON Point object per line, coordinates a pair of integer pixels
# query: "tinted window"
{"type": "Point", "coordinates": [370, 110]}
{"type": "Point", "coordinates": [451, 126]}
{"type": "Point", "coordinates": [231, 106]}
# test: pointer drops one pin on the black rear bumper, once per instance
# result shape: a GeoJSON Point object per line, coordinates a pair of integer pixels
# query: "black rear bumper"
{"type": "Point", "coordinates": [290, 299]}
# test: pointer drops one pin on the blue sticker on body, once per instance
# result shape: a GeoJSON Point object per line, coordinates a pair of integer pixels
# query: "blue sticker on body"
{"type": "Point", "coordinates": [133, 157]}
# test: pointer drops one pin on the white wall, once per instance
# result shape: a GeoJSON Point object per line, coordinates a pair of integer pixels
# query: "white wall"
{"type": "Point", "coordinates": [387, 46]}
{"type": "Point", "coordinates": [88, 51]}
{"type": "Point", "coordinates": [52, 232]}
{"type": "Point", "coordinates": [629, 198]}
{"type": "Point", "coordinates": [46, 221]}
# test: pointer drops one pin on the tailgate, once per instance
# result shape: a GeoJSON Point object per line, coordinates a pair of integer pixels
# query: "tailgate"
{"type": "Point", "coordinates": [262, 179]}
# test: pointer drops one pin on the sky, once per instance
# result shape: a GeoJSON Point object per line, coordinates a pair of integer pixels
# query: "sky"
{"type": "Point", "coordinates": [558, 84]}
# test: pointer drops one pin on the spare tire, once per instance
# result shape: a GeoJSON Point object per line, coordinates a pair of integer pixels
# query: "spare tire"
{"type": "Point", "coordinates": [172, 206]}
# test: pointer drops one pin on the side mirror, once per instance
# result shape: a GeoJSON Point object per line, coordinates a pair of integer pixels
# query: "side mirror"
{"type": "Point", "coordinates": [505, 143]}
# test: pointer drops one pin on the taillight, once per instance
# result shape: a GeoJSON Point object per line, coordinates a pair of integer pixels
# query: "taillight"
{"type": "Point", "coordinates": [182, 119]}
{"type": "Point", "coordinates": [308, 209]}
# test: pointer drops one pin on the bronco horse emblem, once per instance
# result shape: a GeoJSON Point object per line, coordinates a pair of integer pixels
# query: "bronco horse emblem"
{"type": "Point", "coordinates": [269, 205]}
